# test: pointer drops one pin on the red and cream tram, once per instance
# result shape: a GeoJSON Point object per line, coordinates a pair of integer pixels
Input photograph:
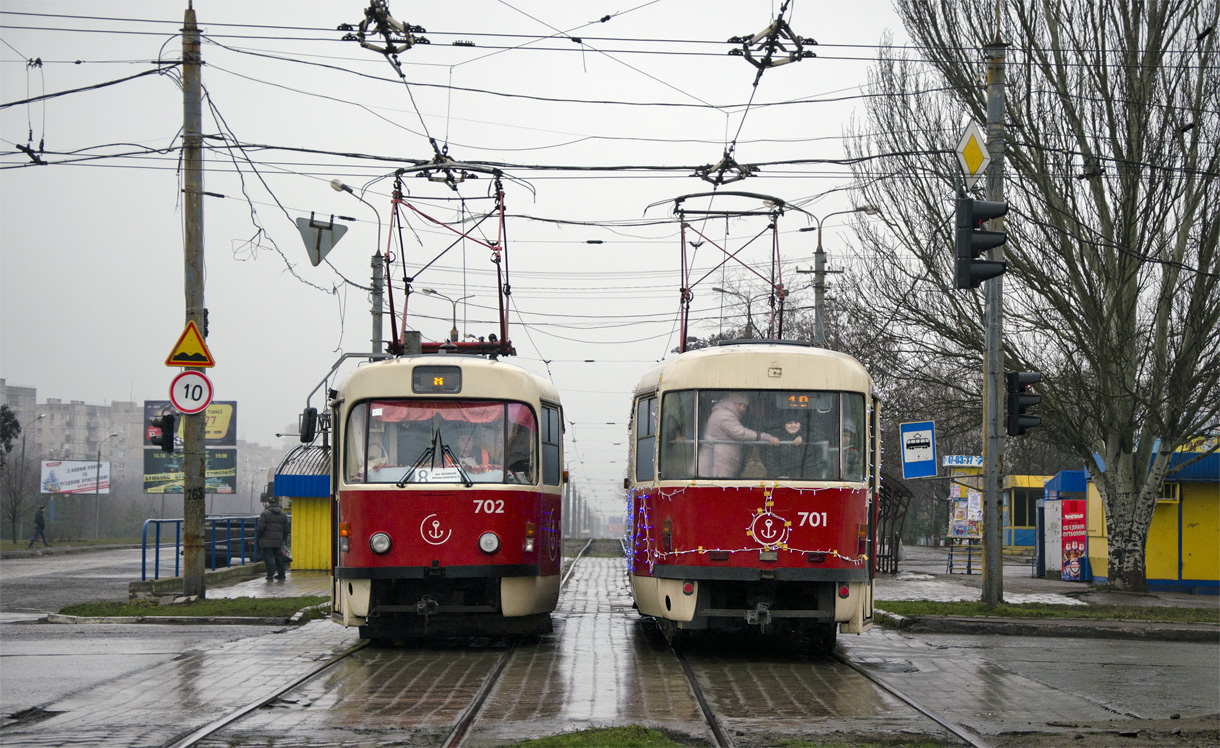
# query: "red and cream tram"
{"type": "Point", "coordinates": [447, 480]}
{"type": "Point", "coordinates": [753, 491]}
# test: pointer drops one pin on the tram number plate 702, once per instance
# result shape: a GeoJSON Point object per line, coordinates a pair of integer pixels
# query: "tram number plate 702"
{"type": "Point", "coordinates": [813, 519]}
{"type": "Point", "coordinates": [489, 506]}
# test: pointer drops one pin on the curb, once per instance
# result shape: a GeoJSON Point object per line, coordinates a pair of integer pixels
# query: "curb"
{"type": "Point", "coordinates": [63, 550]}
{"type": "Point", "coordinates": [1065, 628]}
{"type": "Point", "coordinates": [187, 620]}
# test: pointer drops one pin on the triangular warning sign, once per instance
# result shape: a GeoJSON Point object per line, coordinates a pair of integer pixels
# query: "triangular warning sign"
{"type": "Point", "coordinates": [190, 350]}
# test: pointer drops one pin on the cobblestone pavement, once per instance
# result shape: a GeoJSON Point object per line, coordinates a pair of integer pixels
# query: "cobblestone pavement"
{"type": "Point", "coordinates": [153, 707]}
{"type": "Point", "coordinates": [600, 668]}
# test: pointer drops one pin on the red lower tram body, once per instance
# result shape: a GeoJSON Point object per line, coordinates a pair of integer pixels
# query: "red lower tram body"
{"type": "Point", "coordinates": [780, 559]}
{"type": "Point", "coordinates": [460, 561]}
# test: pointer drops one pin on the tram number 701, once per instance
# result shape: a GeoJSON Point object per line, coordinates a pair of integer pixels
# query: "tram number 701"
{"type": "Point", "coordinates": [813, 519]}
{"type": "Point", "coordinates": [489, 506]}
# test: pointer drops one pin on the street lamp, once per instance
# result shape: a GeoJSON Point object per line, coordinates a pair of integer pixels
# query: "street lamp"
{"type": "Point", "coordinates": [97, 482]}
{"type": "Point", "coordinates": [23, 469]}
{"type": "Point", "coordinates": [819, 270]}
{"type": "Point", "coordinates": [745, 300]}
{"type": "Point", "coordinates": [453, 334]}
{"type": "Point", "coordinates": [377, 263]}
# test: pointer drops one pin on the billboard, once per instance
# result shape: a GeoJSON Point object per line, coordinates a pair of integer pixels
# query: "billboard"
{"type": "Point", "coordinates": [164, 473]}
{"type": "Point", "coordinates": [75, 476]}
{"type": "Point", "coordinates": [220, 422]}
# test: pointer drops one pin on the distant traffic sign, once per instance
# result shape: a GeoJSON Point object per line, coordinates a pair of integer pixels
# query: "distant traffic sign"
{"type": "Point", "coordinates": [191, 392]}
{"type": "Point", "coordinates": [190, 350]}
{"type": "Point", "coordinates": [918, 449]}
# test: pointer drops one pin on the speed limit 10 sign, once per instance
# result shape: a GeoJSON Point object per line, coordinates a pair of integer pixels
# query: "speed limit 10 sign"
{"type": "Point", "coordinates": [190, 392]}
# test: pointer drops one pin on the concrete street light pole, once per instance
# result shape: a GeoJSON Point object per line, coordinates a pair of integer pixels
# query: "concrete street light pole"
{"type": "Point", "coordinates": [748, 302]}
{"type": "Point", "coordinates": [97, 484]}
{"type": "Point", "coordinates": [29, 423]}
{"type": "Point", "coordinates": [377, 263]}
{"type": "Point", "coordinates": [819, 273]}
{"type": "Point", "coordinates": [453, 334]}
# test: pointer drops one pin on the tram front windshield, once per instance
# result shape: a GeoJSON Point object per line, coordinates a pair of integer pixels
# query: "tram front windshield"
{"type": "Point", "coordinates": [440, 441]}
{"type": "Point", "coordinates": [724, 434]}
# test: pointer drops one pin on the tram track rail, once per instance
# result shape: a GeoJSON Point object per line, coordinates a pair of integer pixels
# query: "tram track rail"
{"type": "Point", "coordinates": [952, 727]}
{"type": "Point", "coordinates": [217, 725]}
{"type": "Point", "coordinates": [471, 713]}
{"type": "Point", "coordinates": [454, 739]}
{"type": "Point", "coordinates": [723, 740]}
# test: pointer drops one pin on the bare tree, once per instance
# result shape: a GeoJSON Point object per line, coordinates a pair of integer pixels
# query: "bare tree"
{"type": "Point", "coordinates": [18, 490]}
{"type": "Point", "coordinates": [1113, 153]}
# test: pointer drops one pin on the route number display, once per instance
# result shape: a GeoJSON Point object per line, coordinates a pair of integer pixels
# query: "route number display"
{"type": "Point", "coordinates": [191, 392]}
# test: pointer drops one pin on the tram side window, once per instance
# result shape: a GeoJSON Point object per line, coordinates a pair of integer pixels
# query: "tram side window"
{"type": "Point", "coordinates": [854, 434]}
{"type": "Point", "coordinates": [356, 447]}
{"type": "Point", "coordinates": [678, 436]}
{"type": "Point", "coordinates": [522, 462]}
{"type": "Point", "coordinates": [552, 436]}
{"type": "Point", "coordinates": [645, 438]}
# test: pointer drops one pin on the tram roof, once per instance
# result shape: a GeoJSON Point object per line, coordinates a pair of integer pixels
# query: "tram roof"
{"type": "Point", "coordinates": [754, 365]}
{"type": "Point", "coordinates": [481, 377]}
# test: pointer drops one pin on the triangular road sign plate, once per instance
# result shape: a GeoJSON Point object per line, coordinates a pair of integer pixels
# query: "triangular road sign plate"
{"type": "Point", "coordinates": [319, 238]}
{"type": "Point", "coordinates": [190, 350]}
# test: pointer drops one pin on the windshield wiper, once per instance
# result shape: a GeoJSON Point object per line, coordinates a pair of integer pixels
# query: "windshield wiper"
{"type": "Point", "coordinates": [429, 456]}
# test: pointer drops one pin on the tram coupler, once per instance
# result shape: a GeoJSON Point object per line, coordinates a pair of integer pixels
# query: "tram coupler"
{"type": "Point", "coordinates": [426, 606]}
{"type": "Point", "coordinates": [761, 615]}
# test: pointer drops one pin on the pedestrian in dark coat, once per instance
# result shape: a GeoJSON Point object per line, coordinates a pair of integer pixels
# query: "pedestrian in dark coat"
{"type": "Point", "coordinates": [40, 529]}
{"type": "Point", "coordinates": [274, 529]}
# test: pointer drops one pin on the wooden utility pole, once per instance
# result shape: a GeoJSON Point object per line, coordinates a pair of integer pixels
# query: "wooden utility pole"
{"type": "Point", "coordinates": [193, 451]}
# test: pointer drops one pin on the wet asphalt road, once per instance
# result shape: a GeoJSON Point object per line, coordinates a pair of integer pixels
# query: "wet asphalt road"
{"type": "Point", "coordinates": [144, 684]}
{"type": "Point", "coordinates": [45, 584]}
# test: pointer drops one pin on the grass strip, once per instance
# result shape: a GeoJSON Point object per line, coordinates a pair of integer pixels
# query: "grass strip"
{"type": "Point", "coordinates": [974, 609]}
{"type": "Point", "coordinates": [237, 607]}
{"type": "Point", "coordinates": [630, 736]}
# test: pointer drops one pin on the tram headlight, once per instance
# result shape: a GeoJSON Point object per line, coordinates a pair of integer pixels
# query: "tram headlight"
{"type": "Point", "coordinates": [380, 543]}
{"type": "Point", "coordinates": [489, 542]}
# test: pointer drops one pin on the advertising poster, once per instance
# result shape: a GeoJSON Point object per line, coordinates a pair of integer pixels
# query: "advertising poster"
{"type": "Point", "coordinates": [1075, 533]}
{"type": "Point", "coordinates": [75, 476]}
{"type": "Point", "coordinates": [164, 473]}
{"type": "Point", "coordinates": [966, 517]}
{"type": "Point", "coordinates": [220, 422]}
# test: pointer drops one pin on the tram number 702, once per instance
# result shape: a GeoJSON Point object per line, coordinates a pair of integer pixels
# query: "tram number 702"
{"type": "Point", "coordinates": [489, 506]}
{"type": "Point", "coordinates": [813, 519]}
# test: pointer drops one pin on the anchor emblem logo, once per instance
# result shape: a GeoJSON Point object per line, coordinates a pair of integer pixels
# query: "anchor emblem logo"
{"type": "Point", "coordinates": [769, 529]}
{"type": "Point", "coordinates": [432, 533]}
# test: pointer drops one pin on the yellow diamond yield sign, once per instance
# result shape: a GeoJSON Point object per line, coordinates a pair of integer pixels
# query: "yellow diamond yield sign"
{"type": "Point", "coordinates": [972, 154]}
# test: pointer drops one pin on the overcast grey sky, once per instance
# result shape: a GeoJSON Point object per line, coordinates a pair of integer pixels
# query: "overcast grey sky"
{"type": "Point", "coordinates": [91, 263]}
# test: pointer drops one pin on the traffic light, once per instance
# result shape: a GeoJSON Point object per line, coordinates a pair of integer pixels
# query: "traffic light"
{"type": "Point", "coordinates": [165, 440]}
{"type": "Point", "coordinates": [972, 242]}
{"type": "Point", "coordinates": [1020, 400]}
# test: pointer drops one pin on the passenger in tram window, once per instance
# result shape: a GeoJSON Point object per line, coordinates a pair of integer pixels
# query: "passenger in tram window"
{"type": "Point", "coordinates": [786, 459]}
{"type": "Point", "coordinates": [721, 449]}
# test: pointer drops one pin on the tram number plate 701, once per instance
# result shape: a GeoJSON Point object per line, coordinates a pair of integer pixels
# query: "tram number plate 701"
{"type": "Point", "coordinates": [489, 506]}
{"type": "Point", "coordinates": [813, 519]}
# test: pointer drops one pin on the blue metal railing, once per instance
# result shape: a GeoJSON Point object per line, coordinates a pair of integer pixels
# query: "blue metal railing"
{"type": "Point", "coordinates": [224, 539]}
